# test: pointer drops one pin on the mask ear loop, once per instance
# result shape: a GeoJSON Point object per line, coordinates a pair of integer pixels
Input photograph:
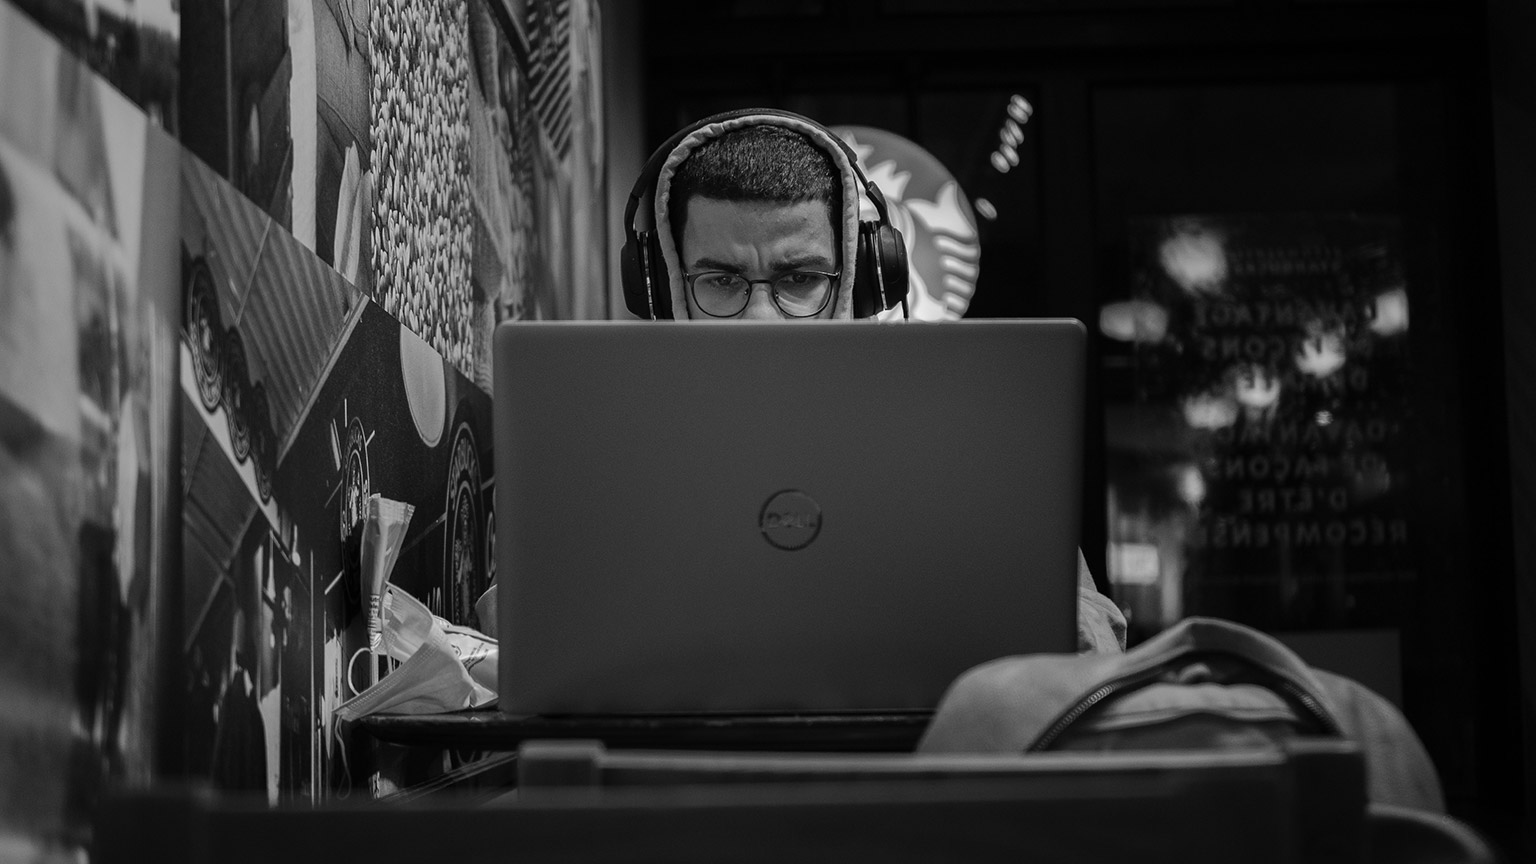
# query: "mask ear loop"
{"type": "Point", "coordinates": [351, 670]}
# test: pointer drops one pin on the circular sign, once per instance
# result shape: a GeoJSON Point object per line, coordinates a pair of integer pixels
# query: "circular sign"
{"type": "Point", "coordinates": [935, 219]}
{"type": "Point", "coordinates": [790, 520]}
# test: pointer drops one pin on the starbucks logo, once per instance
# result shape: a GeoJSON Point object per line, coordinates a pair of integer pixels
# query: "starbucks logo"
{"type": "Point", "coordinates": [934, 217]}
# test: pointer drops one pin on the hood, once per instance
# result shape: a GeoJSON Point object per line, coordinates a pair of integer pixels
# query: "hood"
{"type": "Point", "coordinates": [851, 192]}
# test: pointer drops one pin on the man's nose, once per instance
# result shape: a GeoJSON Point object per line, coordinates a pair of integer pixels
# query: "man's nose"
{"type": "Point", "coordinates": [760, 306]}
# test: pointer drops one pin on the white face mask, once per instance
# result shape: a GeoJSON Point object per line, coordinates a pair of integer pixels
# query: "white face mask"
{"type": "Point", "coordinates": [444, 668]}
{"type": "Point", "coordinates": [383, 528]}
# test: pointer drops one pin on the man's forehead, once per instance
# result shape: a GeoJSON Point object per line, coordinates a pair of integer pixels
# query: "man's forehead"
{"type": "Point", "coordinates": [755, 218]}
{"type": "Point", "coordinates": [780, 234]}
{"type": "Point", "coordinates": [696, 202]}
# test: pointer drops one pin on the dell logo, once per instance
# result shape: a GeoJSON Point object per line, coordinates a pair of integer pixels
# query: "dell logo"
{"type": "Point", "coordinates": [790, 519]}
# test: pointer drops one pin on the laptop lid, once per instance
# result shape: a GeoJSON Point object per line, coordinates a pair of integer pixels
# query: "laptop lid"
{"type": "Point", "coordinates": [780, 517]}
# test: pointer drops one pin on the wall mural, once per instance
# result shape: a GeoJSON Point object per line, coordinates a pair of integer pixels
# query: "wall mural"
{"type": "Point", "coordinates": [331, 94]}
{"type": "Point", "coordinates": [87, 470]}
{"type": "Point", "coordinates": [300, 399]}
{"type": "Point", "coordinates": [444, 157]}
{"type": "Point", "coordinates": [536, 175]}
{"type": "Point", "coordinates": [236, 75]}
{"type": "Point", "coordinates": [441, 191]}
{"type": "Point", "coordinates": [133, 46]}
{"type": "Point", "coordinates": [421, 226]}
{"type": "Point", "coordinates": [297, 295]}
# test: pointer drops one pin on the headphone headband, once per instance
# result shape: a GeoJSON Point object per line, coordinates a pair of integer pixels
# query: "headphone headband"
{"type": "Point", "coordinates": [653, 165]}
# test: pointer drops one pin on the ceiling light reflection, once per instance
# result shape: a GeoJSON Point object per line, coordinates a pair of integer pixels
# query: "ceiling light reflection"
{"type": "Point", "coordinates": [1191, 485]}
{"type": "Point", "coordinates": [1210, 411]}
{"type": "Point", "coordinates": [1255, 387]}
{"type": "Point", "coordinates": [1321, 353]}
{"type": "Point", "coordinates": [1390, 313]}
{"type": "Point", "coordinates": [1196, 260]}
{"type": "Point", "coordinates": [1134, 321]}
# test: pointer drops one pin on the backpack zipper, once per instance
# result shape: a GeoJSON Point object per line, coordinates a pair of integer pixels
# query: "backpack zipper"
{"type": "Point", "coordinates": [1057, 728]}
{"type": "Point", "coordinates": [1309, 702]}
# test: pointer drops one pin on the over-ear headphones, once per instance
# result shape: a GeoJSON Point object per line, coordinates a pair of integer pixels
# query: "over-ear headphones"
{"type": "Point", "coordinates": [880, 279]}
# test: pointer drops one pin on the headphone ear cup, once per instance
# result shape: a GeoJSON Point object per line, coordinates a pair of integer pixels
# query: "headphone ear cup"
{"type": "Point", "coordinates": [647, 293]}
{"type": "Point", "coordinates": [893, 265]}
{"type": "Point", "coordinates": [864, 280]}
{"type": "Point", "coordinates": [881, 282]}
{"type": "Point", "coordinates": [661, 286]}
{"type": "Point", "coordinates": [866, 283]}
{"type": "Point", "coordinates": [632, 280]}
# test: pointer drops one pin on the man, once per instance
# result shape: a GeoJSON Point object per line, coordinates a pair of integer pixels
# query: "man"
{"type": "Point", "coordinates": [757, 218]}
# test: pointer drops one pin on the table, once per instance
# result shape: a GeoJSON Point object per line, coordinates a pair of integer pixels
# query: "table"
{"type": "Point", "coordinates": [495, 730]}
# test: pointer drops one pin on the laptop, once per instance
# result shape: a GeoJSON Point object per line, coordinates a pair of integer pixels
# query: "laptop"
{"type": "Point", "coordinates": [780, 518]}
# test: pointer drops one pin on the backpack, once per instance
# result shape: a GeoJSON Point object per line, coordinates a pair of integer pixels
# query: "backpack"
{"type": "Point", "coordinates": [1202, 684]}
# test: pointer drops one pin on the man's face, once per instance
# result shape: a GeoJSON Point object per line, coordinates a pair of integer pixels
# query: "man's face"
{"type": "Point", "coordinates": [759, 240]}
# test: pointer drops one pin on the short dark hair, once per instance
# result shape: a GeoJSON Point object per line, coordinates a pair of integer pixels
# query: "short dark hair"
{"type": "Point", "coordinates": [762, 162]}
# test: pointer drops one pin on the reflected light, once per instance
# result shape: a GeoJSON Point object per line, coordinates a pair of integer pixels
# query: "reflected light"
{"type": "Point", "coordinates": [1371, 480]}
{"type": "Point", "coordinates": [1255, 387]}
{"type": "Point", "coordinates": [1133, 563]}
{"type": "Point", "coordinates": [1391, 313]}
{"type": "Point", "coordinates": [1324, 418]}
{"type": "Point", "coordinates": [1191, 485]}
{"type": "Point", "coordinates": [1322, 353]}
{"type": "Point", "coordinates": [1020, 109]}
{"type": "Point", "coordinates": [1134, 321]}
{"type": "Point", "coordinates": [1195, 260]}
{"type": "Point", "coordinates": [1210, 411]}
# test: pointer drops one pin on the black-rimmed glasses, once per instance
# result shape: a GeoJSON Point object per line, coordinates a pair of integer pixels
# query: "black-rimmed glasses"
{"type": "Point", "coordinates": [797, 293]}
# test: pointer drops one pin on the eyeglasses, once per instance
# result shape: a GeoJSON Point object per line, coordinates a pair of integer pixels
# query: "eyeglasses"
{"type": "Point", "coordinates": [797, 293]}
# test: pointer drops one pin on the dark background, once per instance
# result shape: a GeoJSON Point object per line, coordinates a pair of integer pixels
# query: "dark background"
{"type": "Point", "coordinates": [1160, 107]}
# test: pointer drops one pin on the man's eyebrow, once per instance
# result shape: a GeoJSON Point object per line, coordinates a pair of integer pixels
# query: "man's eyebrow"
{"type": "Point", "coordinates": [813, 261]}
{"type": "Point", "coordinates": [714, 264]}
{"type": "Point", "coordinates": [819, 262]}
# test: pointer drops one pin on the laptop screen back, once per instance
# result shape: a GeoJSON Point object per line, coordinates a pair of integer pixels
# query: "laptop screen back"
{"type": "Point", "coordinates": [811, 516]}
